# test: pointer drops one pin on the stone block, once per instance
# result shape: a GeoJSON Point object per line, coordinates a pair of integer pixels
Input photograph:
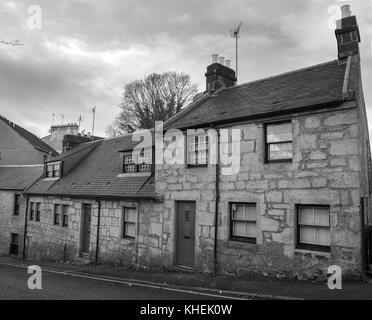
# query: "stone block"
{"type": "Point", "coordinates": [344, 147]}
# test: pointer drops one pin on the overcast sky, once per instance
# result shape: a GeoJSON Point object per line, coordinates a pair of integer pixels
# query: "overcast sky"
{"type": "Point", "coordinates": [87, 50]}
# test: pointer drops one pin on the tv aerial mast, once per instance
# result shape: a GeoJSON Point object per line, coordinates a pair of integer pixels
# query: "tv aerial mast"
{"type": "Point", "coordinates": [235, 34]}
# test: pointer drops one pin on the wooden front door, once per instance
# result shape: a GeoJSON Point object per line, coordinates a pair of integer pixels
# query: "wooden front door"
{"type": "Point", "coordinates": [86, 218]}
{"type": "Point", "coordinates": [185, 234]}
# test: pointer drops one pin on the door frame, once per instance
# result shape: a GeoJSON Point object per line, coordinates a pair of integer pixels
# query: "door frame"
{"type": "Point", "coordinates": [82, 228]}
{"type": "Point", "coordinates": [176, 207]}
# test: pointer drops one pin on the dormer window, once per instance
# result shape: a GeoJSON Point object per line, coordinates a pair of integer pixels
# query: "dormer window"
{"type": "Point", "coordinates": [53, 169]}
{"type": "Point", "coordinates": [142, 163]}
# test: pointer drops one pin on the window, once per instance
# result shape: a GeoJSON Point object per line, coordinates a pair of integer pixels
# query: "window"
{"type": "Point", "coordinates": [53, 170]}
{"type": "Point", "coordinates": [57, 214]}
{"type": "Point", "coordinates": [32, 210]}
{"type": "Point", "coordinates": [38, 211]}
{"type": "Point", "coordinates": [197, 150]}
{"type": "Point", "coordinates": [65, 216]}
{"type": "Point", "coordinates": [243, 226]}
{"type": "Point", "coordinates": [144, 164]}
{"type": "Point", "coordinates": [278, 142]}
{"type": "Point", "coordinates": [129, 223]}
{"type": "Point", "coordinates": [17, 203]}
{"type": "Point", "coordinates": [14, 239]}
{"type": "Point", "coordinates": [313, 228]}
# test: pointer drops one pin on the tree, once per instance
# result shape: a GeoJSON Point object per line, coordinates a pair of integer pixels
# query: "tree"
{"type": "Point", "coordinates": [156, 97]}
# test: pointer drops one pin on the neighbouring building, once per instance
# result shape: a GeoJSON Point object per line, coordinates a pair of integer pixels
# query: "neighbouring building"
{"type": "Point", "coordinates": [298, 204]}
{"type": "Point", "coordinates": [66, 136]}
{"type": "Point", "coordinates": [13, 205]}
{"type": "Point", "coordinates": [21, 147]}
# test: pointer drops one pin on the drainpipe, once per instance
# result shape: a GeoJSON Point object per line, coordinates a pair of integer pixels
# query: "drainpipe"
{"type": "Point", "coordinates": [217, 203]}
{"type": "Point", "coordinates": [363, 238]}
{"type": "Point", "coordinates": [25, 230]}
{"type": "Point", "coordinates": [98, 227]}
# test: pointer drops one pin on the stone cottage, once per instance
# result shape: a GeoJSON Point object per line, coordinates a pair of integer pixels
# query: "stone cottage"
{"type": "Point", "coordinates": [22, 156]}
{"type": "Point", "coordinates": [295, 202]}
{"type": "Point", "coordinates": [299, 202]}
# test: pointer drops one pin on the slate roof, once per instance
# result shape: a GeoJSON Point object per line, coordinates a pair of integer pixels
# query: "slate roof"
{"type": "Point", "coordinates": [317, 85]}
{"type": "Point", "coordinates": [19, 177]}
{"type": "Point", "coordinates": [94, 172]}
{"type": "Point", "coordinates": [30, 137]}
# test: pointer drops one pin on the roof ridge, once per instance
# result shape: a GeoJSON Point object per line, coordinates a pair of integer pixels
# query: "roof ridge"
{"type": "Point", "coordinates": [68, 154]}
{"type": "Point", "coordinates": [24, 132]}
{"type": "Point", "coordinates": [280, 75]}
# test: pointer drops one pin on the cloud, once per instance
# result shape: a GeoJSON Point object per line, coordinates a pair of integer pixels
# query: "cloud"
{"type": "Point", "coordinates": [88, 50]}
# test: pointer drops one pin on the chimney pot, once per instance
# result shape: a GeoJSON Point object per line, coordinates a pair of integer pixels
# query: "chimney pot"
{"type": "Point", "coordinates": [215, 58]}
{"type": "Point", "coordinates": [345, 10]}
{"type": "Point", "coordinates": [221, 60]}
{"type": "Point", "coordinates": [227, 63]}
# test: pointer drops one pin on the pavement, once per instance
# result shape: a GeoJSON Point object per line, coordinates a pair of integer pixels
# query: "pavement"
{"type": "Point", "coordinates": [69, 281]}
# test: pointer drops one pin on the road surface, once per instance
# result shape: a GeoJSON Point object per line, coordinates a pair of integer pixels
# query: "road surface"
{"type": "Point", "coordinates": [13, 285]}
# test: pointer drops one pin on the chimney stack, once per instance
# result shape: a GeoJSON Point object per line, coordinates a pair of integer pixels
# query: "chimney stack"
{"type": "Point", "coordinates": [219, 74]}
{"type": "Point", "coordinates": [347, 34]}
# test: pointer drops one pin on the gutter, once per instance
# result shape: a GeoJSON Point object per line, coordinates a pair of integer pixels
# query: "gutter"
{"type": "Point", "coordinates": [98, 228]}
{"type": "Point", "coordinates": [25, 229]}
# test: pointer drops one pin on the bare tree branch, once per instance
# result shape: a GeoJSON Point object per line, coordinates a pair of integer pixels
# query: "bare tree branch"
{"type": "Point", "coordinates": [157, 97]}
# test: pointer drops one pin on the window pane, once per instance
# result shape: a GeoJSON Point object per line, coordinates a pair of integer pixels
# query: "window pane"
{"type": "Point", "coordinates": [130, 168]}
{"type": "Point", "coordinates": [244, 229]}
{"type": "Point", "coordinates": [250, 212]}
{"type": "Point", "coordinates": [321, 216]}
{"type": "Point", "coordinates": [307, 235]}
{"type": "Point", "coordinates": [238, 211]}
{"type": "Point", "coordinates": [130, 214]}
{"type": "Point", "coordinates": [130, 230]}
{"type": "Point", "coordinates": [279, 132]}
{"type": "Point", "coordinates": [239, 229]}
{"type": "Point", "coordinates": [306, 215]}
{"type": "Point", "coordinates": [280, 151]}
{"type": "Point", "coordinates": [322, 237]}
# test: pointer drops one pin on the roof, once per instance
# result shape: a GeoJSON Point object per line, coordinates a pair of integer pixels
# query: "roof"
{"type": "Point", "coordinates": [30, 137]}
{"type": "Point", "coordinates": [19, 177]}
{"type": "Point", "coordinates": [94, 171]}
{"type": "Point", "coordinates": [317, 85]}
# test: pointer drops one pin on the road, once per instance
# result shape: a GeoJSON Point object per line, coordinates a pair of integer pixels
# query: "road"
{"type": "Point", "coordinates": [13, 285]}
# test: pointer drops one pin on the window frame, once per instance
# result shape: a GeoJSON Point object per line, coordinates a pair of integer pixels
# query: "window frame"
{"type": "Point", "coordinates": [207, 142]}
{"type": "Point", "coordinates": [14, 245]}
{"type": "Point", "coordinates": [37, 211]}
{"type": "Point", "coordinates": [55, 214]}
{"type": "Point", "coordinates": [123, 235]}
{"type": "Point", "coordinates": [267, 144]}
{"type": "Point", "coordinates": [137, 165]}
{"type": "Point", "coordinates": [309, 246]}
{"type": "Point", "coordinates": [17, 204]}
{"type": "Point", "coordinates": [65, 214]}
{"type": "Point", "coordinates": [232, 237]}
{"type": "Point", "coordinates": [32, 211]}
{"type": "Point", "coordinates": [53, 163]}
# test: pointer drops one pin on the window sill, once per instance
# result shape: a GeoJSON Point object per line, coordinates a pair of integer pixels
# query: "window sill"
{"type": "Point", "coordinates": [135, 174]}
{"type": "Point", "coordinates": [52, 179]}
{"type": "Point", "coordinates": [242, 243]}
{"type": "Point", "coordinates": [128, 239]}
{"type": "Point", "coordinates": [313, 252]}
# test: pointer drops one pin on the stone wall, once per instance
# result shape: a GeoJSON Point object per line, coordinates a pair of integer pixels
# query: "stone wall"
{"type": "Point", "coordinates": [9, 223]}
{"type": "Point", "coordinates": [149, 248]}
{"type": "Point", "coordinates": [325, 171]}
{"type": "Point", "coordinates": [46, 241]}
